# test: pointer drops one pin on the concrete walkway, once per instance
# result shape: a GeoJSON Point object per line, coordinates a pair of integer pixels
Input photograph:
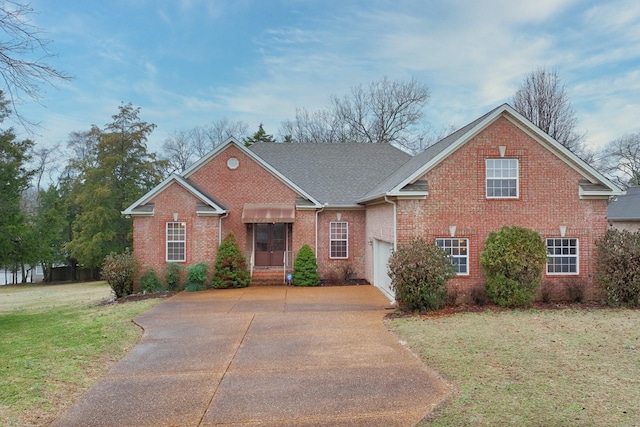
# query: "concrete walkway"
{"type": "Point", "coordinates": [273, 356]}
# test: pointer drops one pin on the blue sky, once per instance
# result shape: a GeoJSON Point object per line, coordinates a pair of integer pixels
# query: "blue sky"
{"type": "Point", "coordinates": [186, 63]}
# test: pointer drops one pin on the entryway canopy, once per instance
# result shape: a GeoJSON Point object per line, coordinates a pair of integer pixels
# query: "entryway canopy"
{"type": "Point", "coordinates": [268, 213]}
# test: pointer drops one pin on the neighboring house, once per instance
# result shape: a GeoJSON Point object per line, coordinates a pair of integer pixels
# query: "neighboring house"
{"type": "Point", "coordinates": [623, 212]}
{"type": "Point", "coordinates": [354, 203]}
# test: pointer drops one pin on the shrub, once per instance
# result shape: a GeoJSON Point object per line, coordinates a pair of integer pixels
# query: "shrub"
{"type": "Point", "coordinates": [172, 273]}
{"type": "Point", "coordinates": [419, 273]}
{"type": "Point", "coordinates": [618, 267]}
{"type": "Point", "coordinates": [305, 268]}
{"type": "Point", "coordinates": [231, 266]}
{"type": "Point", "coordinates": [347, 272]}
{"type": "Point", "coordinates": [479, 296]}
{"type": "Point", "coordinates": [119, 270]}
{"type": "Point", "coordinates": [513, 260]}
{"type": "Point", "coordinates": [196, 277]}
{"type": "Point", "coordinates": [150, 282]}
{"type": "Point", "coordinates": [575, 291]}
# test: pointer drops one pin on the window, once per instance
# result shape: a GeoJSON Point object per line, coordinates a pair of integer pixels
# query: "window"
{"type": "Point", "coordinates": [562, 256]}
{"type": "Point", "coordinates": [458, 251]}
{"type": "Point", "coordinates": [176, 241]}
{"type": "Point", "coordinates": [339, 240]}
{"type": "Point", "coordinates": [502, 178]}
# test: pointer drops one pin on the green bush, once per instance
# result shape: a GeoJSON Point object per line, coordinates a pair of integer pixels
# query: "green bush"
{"type": "Point", "coordinates": [196, 277]}
{"type": "Point", "coordinates": [150, 282]}
{"type": "Point", "coordinates": [172, 273]}
{"type": "Point", "coordinates": [231, 266]}
{"type": "Point", "coordinates": [618, 267]}
{"type": "Point", "coordinates": [305, 268]}
{"type": "Point", "coordinates": [419, 273]}
{"type": "Point", "coordinates": [119, 270]}
{"type": "Point", "coordinates": [513, 260]}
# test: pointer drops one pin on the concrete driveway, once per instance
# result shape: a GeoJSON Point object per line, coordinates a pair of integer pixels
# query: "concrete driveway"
{"type": "Point", "coordinates": [270, 356]}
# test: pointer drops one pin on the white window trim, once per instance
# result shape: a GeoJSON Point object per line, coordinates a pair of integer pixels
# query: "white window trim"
{"type": "Point", "coordinates": [331, 239]}
{"type": "Point", "coordinates": [467, 256]}
{"type": "Point", "coordinates": [577, 255]}
{"type": "Point", "coordinates": [517, 178]}
{"type": "Point", "coordinates": [167, 241]}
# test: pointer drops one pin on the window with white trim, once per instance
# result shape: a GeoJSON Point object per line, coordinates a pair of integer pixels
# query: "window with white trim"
{"type": "Point", "coordinates": [458, 251]}
{"type": "Point", "coordinates": [339, 240]}
{"type": "Point", "coordinates": [502, 178]}
{"type": "Point", "coordinates": [176, 241]}
{"type": "Point", "coordinates": [563, 256]}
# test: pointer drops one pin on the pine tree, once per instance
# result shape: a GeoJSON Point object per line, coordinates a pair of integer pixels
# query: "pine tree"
{"type": "Point", "coordinates": [231, 266]}
{"type": "Point", "coordinates": [305, 268]}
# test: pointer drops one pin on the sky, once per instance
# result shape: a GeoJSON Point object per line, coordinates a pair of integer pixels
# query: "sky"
{"type": "Point", "coordinates": [187, 63]}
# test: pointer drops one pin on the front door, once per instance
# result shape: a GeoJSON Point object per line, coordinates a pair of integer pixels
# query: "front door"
{"type": "Point", "coordinates": [271, 241]}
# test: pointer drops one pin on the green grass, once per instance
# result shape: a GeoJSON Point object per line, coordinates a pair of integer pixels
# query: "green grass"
{"type": "Point", "coordinates": [51, 351]}
{"type": "Point", "coordinates": [532, 368]}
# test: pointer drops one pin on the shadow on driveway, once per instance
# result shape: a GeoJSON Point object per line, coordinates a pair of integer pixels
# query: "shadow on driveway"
{"type": "Point", "coordinates": [264, 356]}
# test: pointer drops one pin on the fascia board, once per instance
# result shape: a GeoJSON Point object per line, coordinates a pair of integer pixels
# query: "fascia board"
{"type": "Point", "coordinates": [188, 172]}
{"type": "Point", "coordinates": [566, 155]}
{"type": "Point", "coordinates": [447, 151]}
{"type": "Point", "coordinates": [162, 186]}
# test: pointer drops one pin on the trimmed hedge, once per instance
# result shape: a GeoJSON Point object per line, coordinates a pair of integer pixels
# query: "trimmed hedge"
{"type": "Point", "coordinates": [231, 269]}
{"type": "Point", "coordinates": [513, 260]}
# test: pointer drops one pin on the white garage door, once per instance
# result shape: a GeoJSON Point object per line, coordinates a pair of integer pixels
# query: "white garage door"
{"type": "Point", "coordinates": [381, 253]}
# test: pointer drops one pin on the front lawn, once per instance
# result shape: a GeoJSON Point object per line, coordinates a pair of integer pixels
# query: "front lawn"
{"type": "Point", "coordinates": [56, 341]}
{"type": "Point", "coordinates": [532, 367]}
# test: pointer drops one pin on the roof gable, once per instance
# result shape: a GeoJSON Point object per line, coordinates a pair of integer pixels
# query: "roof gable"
{"type": "Point", "coordinates": [209, 205]}
{"type": "Point", "coordinates": [259, 160]}
{"type": "Point", "coordinates": [432, 156]}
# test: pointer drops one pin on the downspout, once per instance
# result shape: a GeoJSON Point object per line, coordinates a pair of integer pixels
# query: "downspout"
{"type": "Point", "coordinates": [226, 214]}
{"type": "Point", "coordinates": [317, 212]}
{"type": "Point", "coordinates": [395, 222]}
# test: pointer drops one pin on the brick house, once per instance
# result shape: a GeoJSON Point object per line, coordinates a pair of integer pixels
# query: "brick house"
{"type": "Point", "coordinates": [623, 211]}
{"type": "Point", "coordinates": [354, 203]}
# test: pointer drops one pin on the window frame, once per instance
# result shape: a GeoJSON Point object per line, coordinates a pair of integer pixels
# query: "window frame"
{"type": "Point", "coordinates": [452, 256]}
{"type": "Point", "coordinates": [333, 237]}
{"type": "Point", "coordinates": [501, 178]}
{"type": "Point", "coordinates": [562, 246]}
{"type": "Point", "coordinates": [170, 239]}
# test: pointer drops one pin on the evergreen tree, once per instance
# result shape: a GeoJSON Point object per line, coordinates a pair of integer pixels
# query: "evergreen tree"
{"type": "Point", "coordinates": [231, 266]}
{"type": "Point", "coordinates": [259, 136]}
{"type": "Point", "coordinates": [305, 268]}
{"type": "Point", "coordinates": [116, 171]}
{"type": "Point", "coordinates": [14, 179]}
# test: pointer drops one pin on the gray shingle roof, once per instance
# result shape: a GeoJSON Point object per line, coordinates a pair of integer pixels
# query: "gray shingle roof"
{"type": "Point", "coordinates": [416, 162]}
{"type": "Point", "coordinates": [625, 207]}
{"type": "Point", "coordinates": [337, 174]}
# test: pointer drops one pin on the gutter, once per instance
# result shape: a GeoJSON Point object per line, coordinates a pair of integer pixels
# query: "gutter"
{"type": "Point", "coordinates": [226, 214]}
{"type": "Point", "coordinates": [317, 212]}
{"type": "Point", "coordinates": [395, 223]}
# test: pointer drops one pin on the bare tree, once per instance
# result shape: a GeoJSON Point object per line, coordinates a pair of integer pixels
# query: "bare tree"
{"type": "Point", "coordinates": [386, 111]}
{"type": "Point", "coordinates": [543, 99]}
{"type": "Point", "coordinates": [179, 151]}
{"type": "Point", "coordinates": [44, 160]}
{"type": "Point", "coordinates": [318, 127]}
{"type": "Point", "coordinates": [621, 160]}
{"type": "Point", "coordinates": [21, 41]}
{"type": "Point", "coordinates": [182, 148]}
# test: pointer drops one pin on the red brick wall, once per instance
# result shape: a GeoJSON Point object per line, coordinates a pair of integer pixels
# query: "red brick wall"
{"type": "Point", "coordinates": [249, 183]}
{"type": "Point", "coordinates": [548, 198]}
{"type": "Point", "coordinates": [149, 232]}
{"type": "Point", "coordinates": [334, 268]}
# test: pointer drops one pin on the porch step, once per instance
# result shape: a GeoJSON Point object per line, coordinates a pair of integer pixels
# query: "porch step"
{"type": "Point", "coordinates": [267, 277]}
